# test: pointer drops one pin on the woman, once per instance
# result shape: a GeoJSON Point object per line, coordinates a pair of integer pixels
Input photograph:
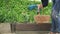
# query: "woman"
{"type": "Point", "coordinates": [55, 15]}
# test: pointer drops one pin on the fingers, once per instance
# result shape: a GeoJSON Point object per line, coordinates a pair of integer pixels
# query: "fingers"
{"type": "Point", "coordinates": [40, 6]}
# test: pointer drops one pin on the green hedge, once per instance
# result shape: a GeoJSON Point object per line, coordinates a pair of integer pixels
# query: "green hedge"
{"type": "Point", "coordinates": [17, 11]}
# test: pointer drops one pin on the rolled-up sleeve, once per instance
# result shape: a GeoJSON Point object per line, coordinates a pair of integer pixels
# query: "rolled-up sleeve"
{"type": "Point", "coordinates": [44, 3]}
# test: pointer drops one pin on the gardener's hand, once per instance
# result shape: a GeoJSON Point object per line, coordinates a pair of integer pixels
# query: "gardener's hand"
{"type": "Point", "coordinates": [40, 6]}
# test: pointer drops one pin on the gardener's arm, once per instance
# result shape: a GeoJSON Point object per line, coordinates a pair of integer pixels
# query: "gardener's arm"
{"type": "Point", "coordinates": [44, 4]}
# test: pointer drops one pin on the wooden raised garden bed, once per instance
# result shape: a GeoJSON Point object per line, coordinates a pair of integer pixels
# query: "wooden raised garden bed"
{"type": "Point", "coordinates": [31, 27]}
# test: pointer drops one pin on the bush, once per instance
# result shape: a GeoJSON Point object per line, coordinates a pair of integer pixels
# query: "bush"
{"type": "Point", "coordinates": [17, 11]}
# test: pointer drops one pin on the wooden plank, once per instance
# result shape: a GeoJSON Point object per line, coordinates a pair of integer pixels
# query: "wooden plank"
{"type": "Point", "coordinates": [13, 27]}
{"type": "Point", "coordinates": [32, 32]}
{"type": "Point", "coordinates": [33, 27]}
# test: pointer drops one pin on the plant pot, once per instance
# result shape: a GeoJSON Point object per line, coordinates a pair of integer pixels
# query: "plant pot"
{"type": "Point", "coordinates": [42, 19]}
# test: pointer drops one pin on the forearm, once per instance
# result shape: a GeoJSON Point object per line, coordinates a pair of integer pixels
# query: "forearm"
{"type": "Point", "coordinates": [44, 4]}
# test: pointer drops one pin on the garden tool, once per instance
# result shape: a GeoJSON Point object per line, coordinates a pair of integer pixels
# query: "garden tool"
{"type": "Point", "coordinates": [41, 18]}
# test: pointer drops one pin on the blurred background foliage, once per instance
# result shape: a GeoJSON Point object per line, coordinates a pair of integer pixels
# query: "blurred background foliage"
{"type": "Point", "coordinates": [17, 11]}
